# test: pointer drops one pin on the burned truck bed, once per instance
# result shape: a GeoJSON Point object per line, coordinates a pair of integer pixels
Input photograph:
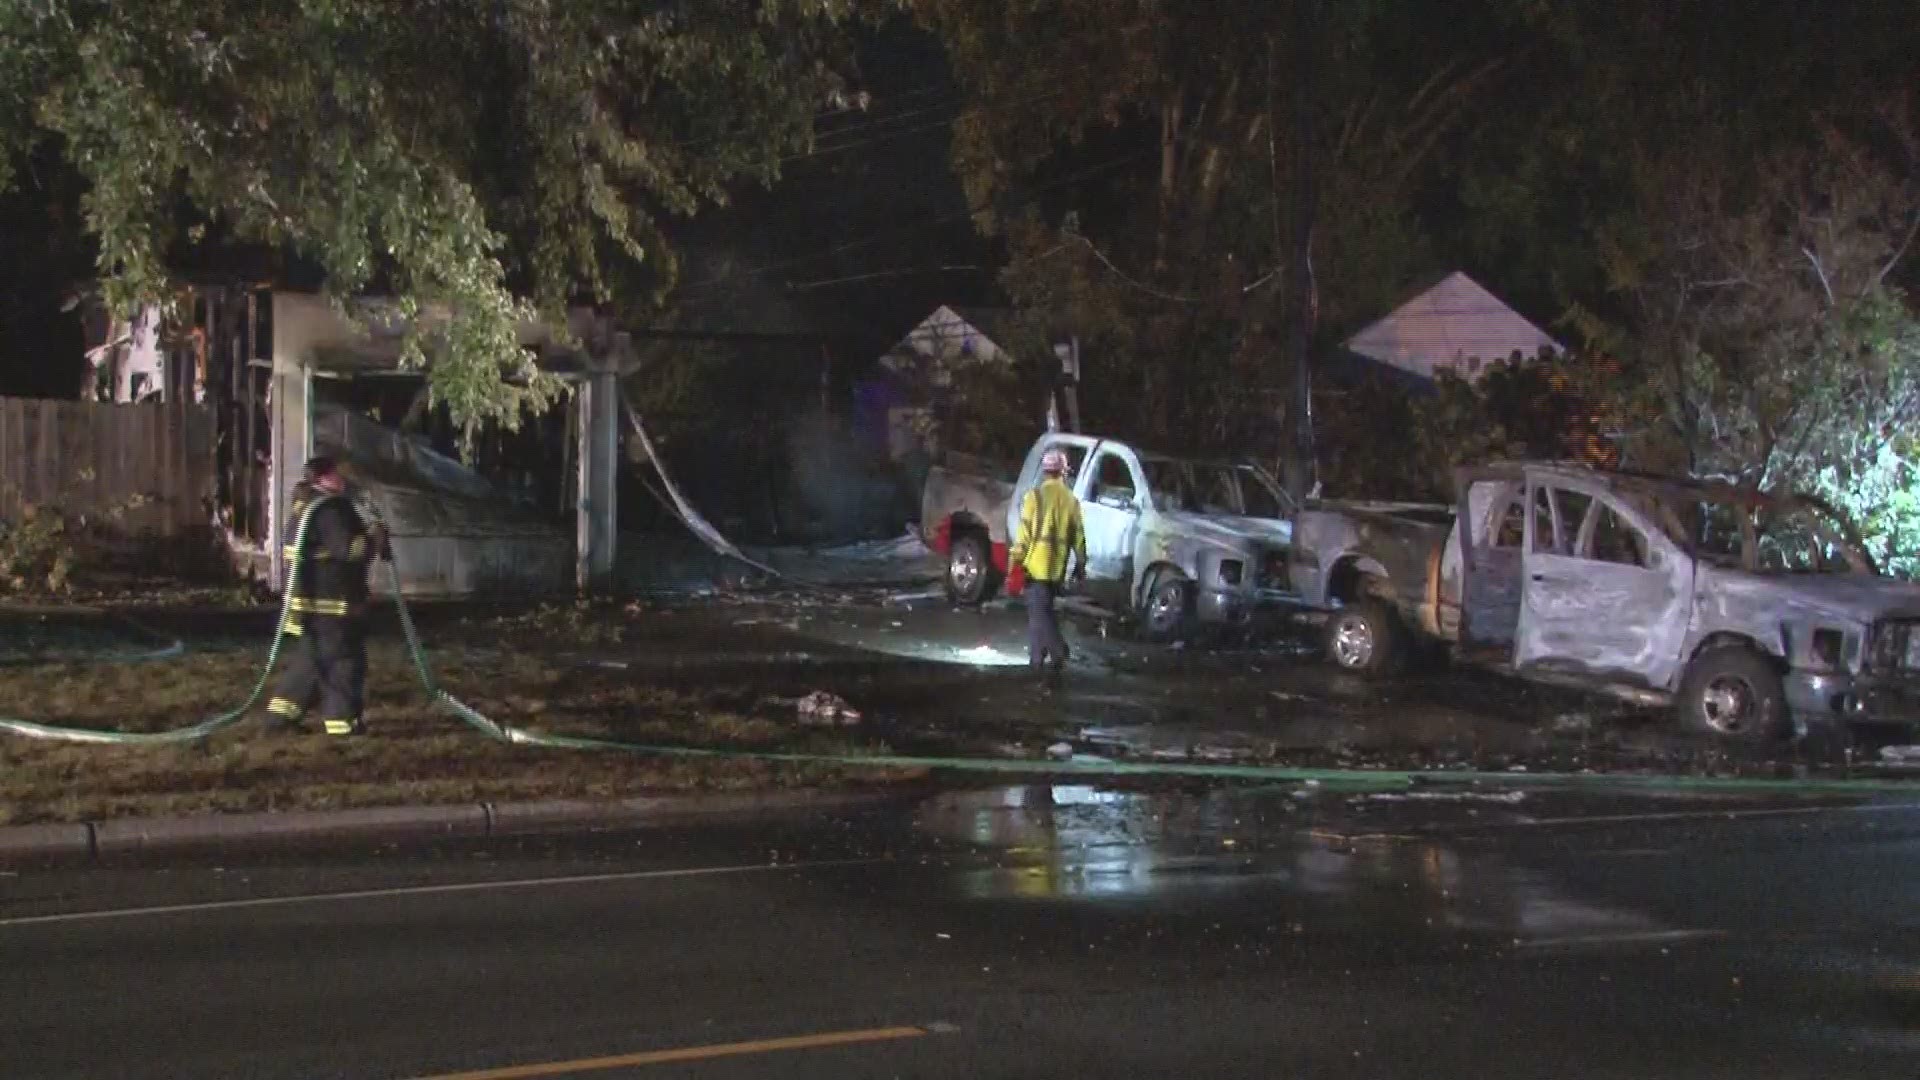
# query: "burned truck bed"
{"type": "Point", "coordinates": [1345, 550]}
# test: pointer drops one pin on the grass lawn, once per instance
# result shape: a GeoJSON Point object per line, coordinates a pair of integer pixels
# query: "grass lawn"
{"type": "Point", "coordinates": [415, 753]}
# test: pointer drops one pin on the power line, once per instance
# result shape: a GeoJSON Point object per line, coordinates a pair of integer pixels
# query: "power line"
{"type": "Point", "coordinates": [889, 234]}
{"type": "Point", "coordinates": [872, 141]}
{"type": "Point", "coordinates": [839, 110]}
{"type": "Point", "coordinates": [891, 135]}
{"type": "Point", "coordinates": [877, 275]}
{"type": "Point", "coordinates": [1150, 290]}
{"type": "Point", "coordinates": [882, 121]}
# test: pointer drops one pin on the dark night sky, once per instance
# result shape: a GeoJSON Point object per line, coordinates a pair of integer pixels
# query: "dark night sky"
{"type": "Point", "coordinates": [878, 197]}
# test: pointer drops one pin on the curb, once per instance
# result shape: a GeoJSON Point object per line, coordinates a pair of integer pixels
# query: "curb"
{"type": "Point", "coordinates": [86, 841]}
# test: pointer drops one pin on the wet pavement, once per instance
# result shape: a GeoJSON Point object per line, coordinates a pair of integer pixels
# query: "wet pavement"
{"type": "Point", "coordinates": [918, 665]}
{"type": "Point", "coordinates": [1040, 930]}
{"type": "Point", "coordinates": [930, 677]}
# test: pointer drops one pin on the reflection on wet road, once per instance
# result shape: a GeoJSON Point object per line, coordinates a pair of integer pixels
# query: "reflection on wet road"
{"type": "Point", "coordinates": [1079, 842]}
{"type": "Point", "coordinates": [923, 665]}
{"type": "Point", "coordinates": [1037, 930]}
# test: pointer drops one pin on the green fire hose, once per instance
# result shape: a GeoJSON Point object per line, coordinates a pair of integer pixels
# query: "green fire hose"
{"type": "Point", "coordinates": [1345, 779]}
{"type": "Point", "coordinates": [211, 724]}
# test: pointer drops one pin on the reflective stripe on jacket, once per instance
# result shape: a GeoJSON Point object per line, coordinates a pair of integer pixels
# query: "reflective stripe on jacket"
{"type": "Point", "coordinates": [1050, 529]}
{"type": "Point", "coordinates": [332, 573]}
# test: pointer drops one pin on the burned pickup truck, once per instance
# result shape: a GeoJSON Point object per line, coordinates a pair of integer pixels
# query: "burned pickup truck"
{"type": "Point", "coordinates": [1172, 542]}
{"type": "Point", "coordinates": [1753, 616]}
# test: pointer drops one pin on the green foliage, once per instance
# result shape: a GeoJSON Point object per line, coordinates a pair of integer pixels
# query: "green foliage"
{"type": "Point", "coordinates": [1363, 427]}
{"type": "Point", "coordinates": [1171, 127]}
{"type": "Point", "coordinates": [994, 410]}
{"type": "Point", "coordinates": [1383, 440]}
{"type": "Point", "coordinates": [1765, 326]}
{"type": "Point", "coordinates": [37, 553]}
{"type": "Point", "coordinates": [47, 549]}
{"type": "Point", "coordinates": [488, 163]}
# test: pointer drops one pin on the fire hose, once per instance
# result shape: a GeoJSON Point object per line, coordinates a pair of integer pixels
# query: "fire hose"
{"type": "Point", "coordinates": [1340, 779]}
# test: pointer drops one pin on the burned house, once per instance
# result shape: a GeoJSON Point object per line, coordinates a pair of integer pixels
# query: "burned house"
{"type": "Point", "coordinates": [289, 375]}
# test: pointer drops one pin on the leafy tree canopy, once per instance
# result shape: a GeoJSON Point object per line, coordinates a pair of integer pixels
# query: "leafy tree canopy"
{"type": "Point", "coordinates": [1142, 158]}
{"type": "Point", "coordinates": [493, 160]}
{"type": "Point", "coordinates": [1716, 203]}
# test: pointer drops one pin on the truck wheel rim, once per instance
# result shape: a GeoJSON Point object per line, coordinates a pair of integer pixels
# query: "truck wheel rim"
{"type": "Point", "coordinates": [964, 570]}
{"type": "Point", "coordinates": [1352, 643]}
{"type": "Point", "coordinates": [1168, 604]}
{"type": "Point", "coordinates": [1728, 704]}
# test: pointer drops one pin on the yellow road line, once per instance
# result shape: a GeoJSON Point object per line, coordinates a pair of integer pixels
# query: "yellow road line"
{"type": "Point", "coordinates": [692, 1053]}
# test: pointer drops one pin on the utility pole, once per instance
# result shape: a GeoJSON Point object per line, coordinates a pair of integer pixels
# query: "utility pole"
{"type": "Point", "coordinates": [1066, 388]}
{"type": "Point", "coordinates": [1303, 197]}
{"type": "Point", "coordinates": [1069, 355]}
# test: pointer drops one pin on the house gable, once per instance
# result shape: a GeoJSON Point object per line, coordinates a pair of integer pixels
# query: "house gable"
{"type": "Point", "coordinates": [1455, 326]}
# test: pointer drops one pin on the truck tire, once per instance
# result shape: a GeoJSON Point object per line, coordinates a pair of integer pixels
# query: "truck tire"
{"type": "Point", "coordinates": [1734, 694]}
{"type": "Point", "coordinates": [1166, 615]}
{"type": "Point", "coordinates": [1365, 638]}
{"type": "Point", "coordinates": [969, 576]}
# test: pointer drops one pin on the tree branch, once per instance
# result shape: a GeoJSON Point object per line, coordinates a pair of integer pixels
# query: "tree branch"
{"type": "Point", "coordinates": [1819, 271]}
{"type": "Point", "coordinates": [1899, 253]}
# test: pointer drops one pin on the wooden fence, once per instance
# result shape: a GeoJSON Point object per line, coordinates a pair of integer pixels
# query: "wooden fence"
{"type": "Point", "coordinates": [145, 469]}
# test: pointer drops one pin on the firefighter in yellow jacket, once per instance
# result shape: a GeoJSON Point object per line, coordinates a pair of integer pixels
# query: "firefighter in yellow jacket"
{"type": "Point", "coordinates": [327, 615]}
{"type": "Point", "coordinates": [1050, 531]}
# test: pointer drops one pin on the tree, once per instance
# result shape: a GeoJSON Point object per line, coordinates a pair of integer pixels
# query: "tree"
{"type": "Point", "coordinates": [487, 163]}
{"type": "Point", "coordinates": [1176, 130]}
{"type": "Point", "coordinates": [1770, 323]}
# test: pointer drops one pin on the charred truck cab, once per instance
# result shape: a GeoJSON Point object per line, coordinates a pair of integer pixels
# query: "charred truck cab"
{"type": "Point", "coordinates": [1752, 615]}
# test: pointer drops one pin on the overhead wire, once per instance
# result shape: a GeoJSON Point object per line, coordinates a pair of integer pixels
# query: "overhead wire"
{"type": "Point", "coordinates": [842, 110]}
{"type": "Point", "coordinates": [881, 275]}
{"type": "Point", "coordinates": [921, 224]}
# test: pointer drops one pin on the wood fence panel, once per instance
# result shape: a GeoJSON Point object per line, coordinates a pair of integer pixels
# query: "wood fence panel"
{"type": "Point", "coordinates": [101, 459]}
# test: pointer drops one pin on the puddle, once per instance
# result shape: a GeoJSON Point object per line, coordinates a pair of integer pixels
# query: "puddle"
{"type": "Point", "coordinates": [1080, 843]}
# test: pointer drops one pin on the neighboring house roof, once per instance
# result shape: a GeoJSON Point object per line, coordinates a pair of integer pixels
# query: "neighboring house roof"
{"type": "Point", "coordinates": [995, 322]}
{"type": "Point", "coordinates": [1456, 324]}
{"type": "Point", "coordinates": [948, 338]}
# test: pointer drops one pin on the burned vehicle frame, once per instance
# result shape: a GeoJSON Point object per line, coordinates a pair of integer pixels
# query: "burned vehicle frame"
{"type": "Point", "coordinates": [1750, 614]}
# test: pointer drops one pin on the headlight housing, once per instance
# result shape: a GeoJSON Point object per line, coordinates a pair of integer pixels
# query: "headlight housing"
{"type": "Point", "coordinates": [1826, 648]}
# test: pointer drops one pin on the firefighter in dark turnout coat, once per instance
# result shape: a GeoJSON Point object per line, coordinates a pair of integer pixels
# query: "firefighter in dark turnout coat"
{"type": "Point", "coordinates": [327, 616]}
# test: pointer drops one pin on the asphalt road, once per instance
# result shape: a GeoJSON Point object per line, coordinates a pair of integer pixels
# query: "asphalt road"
{"type": "Point", "coordinates": [1032, 931]}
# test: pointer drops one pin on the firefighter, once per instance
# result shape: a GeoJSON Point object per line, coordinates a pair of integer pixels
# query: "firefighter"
{"type": "Point", "coordinates": [1050, 532]}
{"type": "Point", "coordinates": [327, 615]}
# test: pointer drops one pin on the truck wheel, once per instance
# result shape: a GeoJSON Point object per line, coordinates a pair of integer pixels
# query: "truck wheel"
{"type": "Point", "coordinates": [1733, 693]}
{"type": "Point", "coordinates": [1167, 616]}
{"type": "Point", "coordinates": [969, 570]}
{"type": "Point", "coordinates": [1365, 638]}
